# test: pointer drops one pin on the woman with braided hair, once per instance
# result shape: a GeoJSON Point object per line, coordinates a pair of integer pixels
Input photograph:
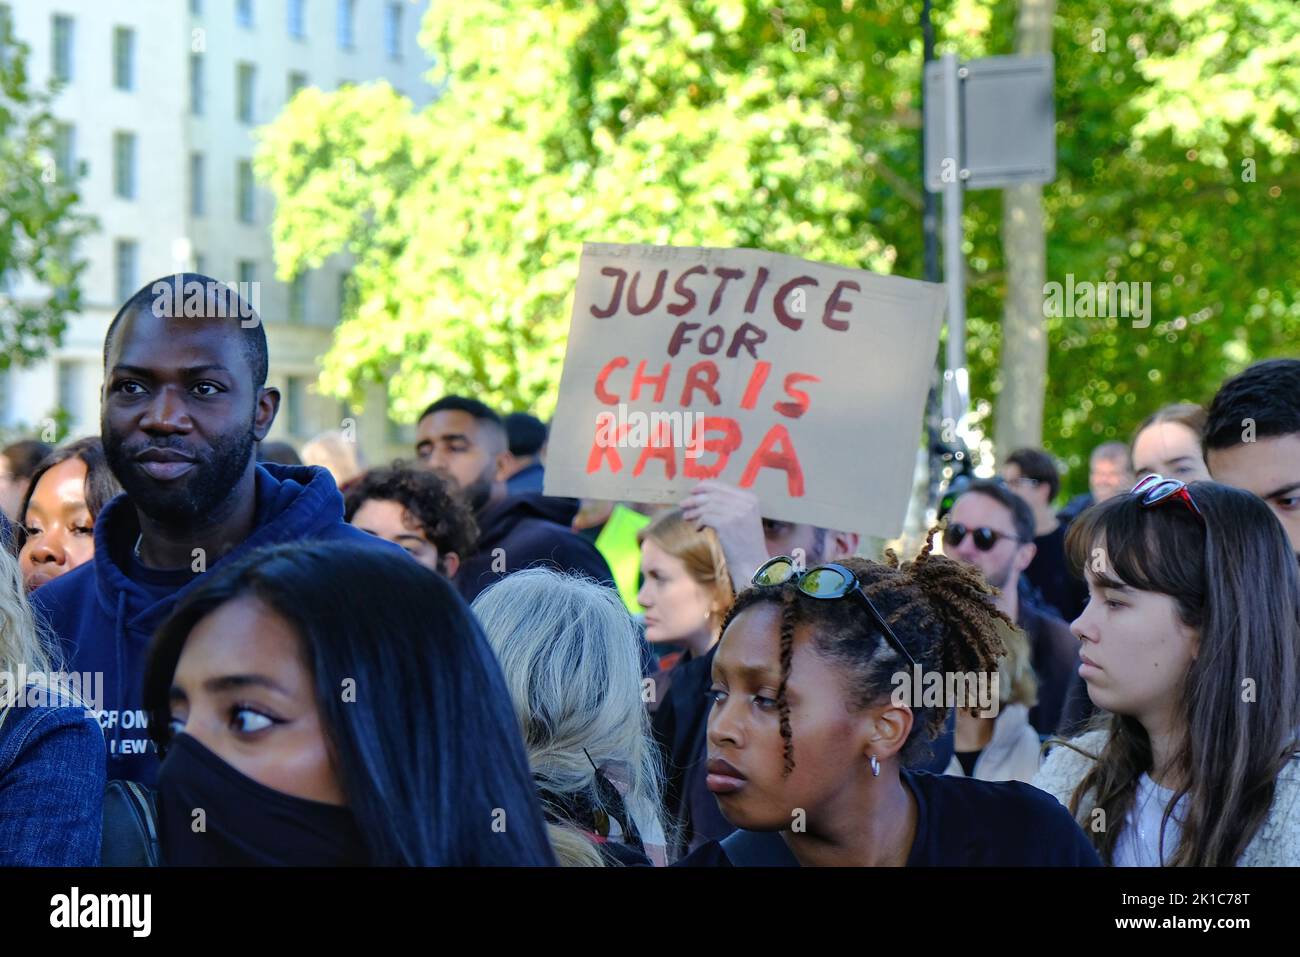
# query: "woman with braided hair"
{"type": "Point", "coordinates": [809, 740]}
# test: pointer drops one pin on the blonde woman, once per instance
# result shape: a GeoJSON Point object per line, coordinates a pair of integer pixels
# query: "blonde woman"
{"type": "Point", "coordinates": [572, 661]}
{"type": "Point", "coordinates": [687, 587]}
{"type": "Point", "coordinates": [994, 740]}
{"type": "Point", "coordinates": [52, 756]}
{"type": "Point", "coordinates": [686, 594]}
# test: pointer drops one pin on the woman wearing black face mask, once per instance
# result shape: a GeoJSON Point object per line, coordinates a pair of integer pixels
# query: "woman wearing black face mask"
{"type": "Point", "coordinates": [327, 704]}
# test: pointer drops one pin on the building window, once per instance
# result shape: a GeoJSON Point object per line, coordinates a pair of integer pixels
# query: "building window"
{"type": "Point", "coordinates": [65, 152]}
{"type": "Point", "coordinates": [61, 55]}
{"type": "Point", "coordinates": [393, 31]}
{"type": "Point", "coordinates": [297, 80]}
{"type": "Point", "coordinates": [125, 258]}
{"type": "Point", "coordinates": [346, 10]}
{"type": "Point", "coordinates": [298, 299]}
{"type": "Point", "coordinates": [124, 165]}
{"type": "Point", "coordinates": [123, 58]}
{"type": "Point", "coordinates": [197, 189]}
{"type": "Point", "coordinates": [246, 270]}
{"type": "Point", "coordinates": [72, 380]}
{"type": "Point", "coordinates": [196, 84]}
{"type": "Point", "coordinates": [245, 81]}
{"type": "Point", "coordinates": [296, 28]}
{"type": "Point", "coordinates": [244, 12]}
{"type": "Point", "coordinates": [244, 178]}
{"type": "Point", "coordinates": [296, 387]}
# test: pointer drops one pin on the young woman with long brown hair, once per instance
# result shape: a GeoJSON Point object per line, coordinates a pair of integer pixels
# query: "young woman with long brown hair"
{"type": "Point", "coordinates": [1191, 640]}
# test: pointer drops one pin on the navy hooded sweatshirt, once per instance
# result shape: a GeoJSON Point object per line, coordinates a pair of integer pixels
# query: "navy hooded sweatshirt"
{"type": "Point", "coordinates": [524, 531]}
{"type": "Point", "coordinates": [104, 612]}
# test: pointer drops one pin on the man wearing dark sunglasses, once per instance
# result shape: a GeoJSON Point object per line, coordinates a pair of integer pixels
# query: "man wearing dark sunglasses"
{"type": "Point", "coordinates": [1033, 476]}
{"type": "Point", "coordinates": [992, 528]}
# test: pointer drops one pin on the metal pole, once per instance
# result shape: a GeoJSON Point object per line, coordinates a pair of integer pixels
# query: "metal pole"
{"type": "Point", "coordinates": [931, 273]}
{"type": "Point", "coordinates": [954, 266]}
{"type": "Point", "coordinates": [930, 208]}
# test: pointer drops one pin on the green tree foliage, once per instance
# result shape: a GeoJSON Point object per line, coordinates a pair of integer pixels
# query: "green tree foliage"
{"type": "Point", "coordinates": [795, 127]}
{"type": "Point", "coordinates": [1155, 188]}
{"type": "Point", "coordinates": [39, 223]}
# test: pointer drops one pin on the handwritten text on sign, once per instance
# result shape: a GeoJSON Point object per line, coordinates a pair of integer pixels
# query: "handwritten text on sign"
{"type": "Point", "coordinates": [802, 381]}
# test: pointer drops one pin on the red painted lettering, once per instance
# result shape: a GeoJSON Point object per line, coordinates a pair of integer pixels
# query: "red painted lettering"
{"type": "Point", "coordinates": [766, 456]}
{"type": "Point", "coordinates": [723, 447]}
{"type": "Point", "coordinates": [703, 376]}
{"type": "Point", "coordinates": [603, 394]}
{"type": "Point", "coordinates": [756, 380]}
{"type": "Point", "coordinates": [660, 381]}
{"type": "Point", "coordinates": [801, 401]}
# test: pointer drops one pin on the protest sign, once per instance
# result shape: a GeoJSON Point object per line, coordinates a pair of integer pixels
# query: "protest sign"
{"type": "Point", "coordinates": [802, 381]}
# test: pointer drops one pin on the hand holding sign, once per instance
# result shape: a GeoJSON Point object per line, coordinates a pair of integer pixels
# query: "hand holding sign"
{"type": "Point", "coordinates": [801, 381]}
{"type": "Point", "coordinates": [734, 515]}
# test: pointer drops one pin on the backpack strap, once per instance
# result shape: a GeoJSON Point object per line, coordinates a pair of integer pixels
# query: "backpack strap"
{"type": "Point", "coordinates": [130, 831]}
{"type": "Point", "coordinates": [757, 849]}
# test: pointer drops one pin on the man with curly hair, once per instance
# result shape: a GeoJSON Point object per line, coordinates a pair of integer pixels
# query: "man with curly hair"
{"type": "Point", "coordinates": [413, 508]}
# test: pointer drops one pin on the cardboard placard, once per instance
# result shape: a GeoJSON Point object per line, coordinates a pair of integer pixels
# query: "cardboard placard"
{"type": "Point", "coordinates": [802, 381]}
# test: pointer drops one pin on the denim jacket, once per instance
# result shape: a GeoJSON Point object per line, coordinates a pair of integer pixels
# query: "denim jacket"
{"type": "Point", "coordinates": [52, 760]}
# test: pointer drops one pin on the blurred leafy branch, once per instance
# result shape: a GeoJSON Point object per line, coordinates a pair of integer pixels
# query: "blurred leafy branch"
{"type": "Point", "coordinates": [40, 224]}
{"type": "Point", "coordinates": [795, 127]}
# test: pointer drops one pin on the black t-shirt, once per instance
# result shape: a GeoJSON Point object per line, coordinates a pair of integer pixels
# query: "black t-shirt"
{"type": "Point", "coordinates": [1050, 573]}
{"type": "Point", "coordinates": [962, 822]}
{"type": "Point", "coordinates": [967, 761]}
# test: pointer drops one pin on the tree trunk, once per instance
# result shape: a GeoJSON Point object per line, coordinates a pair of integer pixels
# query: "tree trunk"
{"type": "Point", "coordinates": [1019, 420]}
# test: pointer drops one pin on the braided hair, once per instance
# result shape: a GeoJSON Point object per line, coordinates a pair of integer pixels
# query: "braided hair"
{"type": "Point", "coordinates": [942, 610]}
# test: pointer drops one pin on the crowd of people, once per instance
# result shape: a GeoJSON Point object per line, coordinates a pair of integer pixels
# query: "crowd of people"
{"type": "Point", "coordinates": [289, 657]}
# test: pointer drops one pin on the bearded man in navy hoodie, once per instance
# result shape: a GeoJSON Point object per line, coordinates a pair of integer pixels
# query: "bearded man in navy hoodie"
{"type": "Point", "coordinates": [465, 441]}
{"type": "Point", "coordinates": [184, 404]}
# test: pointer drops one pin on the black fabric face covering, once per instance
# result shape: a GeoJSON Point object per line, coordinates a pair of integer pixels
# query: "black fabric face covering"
{"type": "Point", "coordinates": [244, 823]}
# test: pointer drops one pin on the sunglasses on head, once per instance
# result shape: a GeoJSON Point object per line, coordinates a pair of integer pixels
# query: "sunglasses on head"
{"type": "Point", "coordinates": [1157, 490]}
{"type": "Point", "coordinates": [983, 537]}
{"type": "Point", "coordinates": [826, 582]}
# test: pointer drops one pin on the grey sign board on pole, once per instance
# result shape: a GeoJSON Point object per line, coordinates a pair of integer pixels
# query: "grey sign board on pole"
{"type": "Point", "coordinates": [1007, 122]}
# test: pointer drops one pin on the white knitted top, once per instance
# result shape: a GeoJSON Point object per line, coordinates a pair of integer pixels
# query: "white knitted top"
{"type": "Point", "coordinates": [1275, 844]}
